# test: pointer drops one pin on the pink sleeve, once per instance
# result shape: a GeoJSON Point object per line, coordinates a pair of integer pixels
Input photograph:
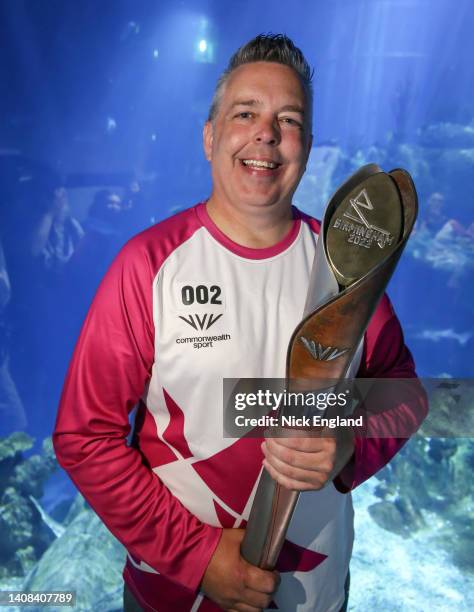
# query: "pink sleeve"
{"type": "Point", "coordinates": [110, 368]}
{"type": "Point", "coordinates": [385, 356]}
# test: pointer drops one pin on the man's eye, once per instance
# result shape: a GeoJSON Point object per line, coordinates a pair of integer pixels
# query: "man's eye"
{"type": "Point", "coordinates": [244, 115]}
{"type": "Point", "coordinates": [290, 121]}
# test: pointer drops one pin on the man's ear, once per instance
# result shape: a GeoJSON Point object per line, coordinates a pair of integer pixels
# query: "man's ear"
{"type": "Point", "coordinates": [207, 137]}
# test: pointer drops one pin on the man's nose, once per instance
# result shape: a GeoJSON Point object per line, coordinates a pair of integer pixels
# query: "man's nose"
{"type": "Point", "coordinates": [268, 132]}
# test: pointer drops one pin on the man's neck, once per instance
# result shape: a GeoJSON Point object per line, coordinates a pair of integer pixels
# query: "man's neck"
{"type": "Point", "coordinates": [257, 227]}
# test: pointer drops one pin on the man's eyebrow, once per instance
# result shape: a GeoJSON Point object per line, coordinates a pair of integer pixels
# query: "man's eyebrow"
{"type": "Point", "coordinates": [245, 103]}
{"type": "Point", "coordinates": [295, 108]}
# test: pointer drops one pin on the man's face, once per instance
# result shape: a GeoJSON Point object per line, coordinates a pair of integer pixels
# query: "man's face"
{"type": "Point", "coordinates": [260, 140]}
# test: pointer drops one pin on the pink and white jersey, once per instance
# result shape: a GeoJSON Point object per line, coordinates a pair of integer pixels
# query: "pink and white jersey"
{"type": "Point", "coordinates": [181, 308]}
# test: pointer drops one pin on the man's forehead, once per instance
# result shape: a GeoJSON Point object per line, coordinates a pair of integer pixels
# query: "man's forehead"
{"type": "Point", "coordinates": [249, 83]}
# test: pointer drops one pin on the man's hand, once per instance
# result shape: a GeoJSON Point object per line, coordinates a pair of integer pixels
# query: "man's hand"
{"type": "Point", "coordinates": [234, 584]}
{"type": "Point", "coordinates": [308, 464]}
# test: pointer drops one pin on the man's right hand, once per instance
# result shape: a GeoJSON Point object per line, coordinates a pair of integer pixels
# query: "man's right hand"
{"type": "Point", "coordinates": [234, 584]}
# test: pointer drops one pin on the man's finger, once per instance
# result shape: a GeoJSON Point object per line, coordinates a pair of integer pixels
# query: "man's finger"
{"type": "Point", "coordinates": [291, 484]}
{"type": "Point", "coordinates": [260, 580]}
{"type": "Point", "coordinates": [318, 461]}
{"type": "Point", "coordinates": [308, 473]}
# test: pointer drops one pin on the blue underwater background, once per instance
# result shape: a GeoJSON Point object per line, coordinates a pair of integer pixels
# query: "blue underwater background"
{"type": "Point", "coordinates": [102, 107]}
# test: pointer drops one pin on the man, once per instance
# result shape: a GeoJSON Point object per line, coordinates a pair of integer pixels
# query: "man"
{"type": "Point", "coordinates": [215, 292]}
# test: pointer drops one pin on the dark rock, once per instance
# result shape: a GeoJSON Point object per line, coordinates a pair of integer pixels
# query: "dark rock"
{"type": "Point", "coordinates": [434, 476]}
{"type": "Point", "coordinates": [11, 454]}
{"type": "Point", "coordinates": [86, 559]}
{"type": "Point", "coordinates": [441, 449]}
{"type": "Point", "coordinates": [382, 491]}
{"type": "Point", "coordinates": [388, 516]}
{"type": "Point", "coordinates": [30, 475]}
{"type": "Point", "coordinates": [25, 558]}
{"type": "Point", "coordinates": [23, 535]}
{"type": "Point", "coordinates": [412, 516]}
{"type": "Point", "coordinates": [17, 442]}
{"type": "Point", "coordinates": [16, 523]}
{"type": "Point", "coordinates": [462, 554]}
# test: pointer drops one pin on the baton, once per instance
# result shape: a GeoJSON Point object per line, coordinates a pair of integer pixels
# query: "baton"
{"type": "Point", "coordinates": [365, 228]}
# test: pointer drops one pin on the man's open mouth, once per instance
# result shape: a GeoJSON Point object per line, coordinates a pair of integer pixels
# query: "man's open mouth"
{"type": "Point", "coordinates": [260, 164]}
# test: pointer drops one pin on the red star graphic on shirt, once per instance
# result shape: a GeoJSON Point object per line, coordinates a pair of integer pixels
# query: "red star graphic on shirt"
{"type": "Point", "coordinates": [217, 472]}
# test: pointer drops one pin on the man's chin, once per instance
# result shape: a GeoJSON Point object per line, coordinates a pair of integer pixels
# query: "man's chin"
{"type": "Point", "coordinates": [265, 202]}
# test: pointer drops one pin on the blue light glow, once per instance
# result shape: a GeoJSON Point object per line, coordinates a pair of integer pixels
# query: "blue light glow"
{"type": "Point", "coordinates": [111, 125]}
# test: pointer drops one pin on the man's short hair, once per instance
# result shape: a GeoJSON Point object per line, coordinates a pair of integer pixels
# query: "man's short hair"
{"type": "Point", "coordinates": [267, 48]}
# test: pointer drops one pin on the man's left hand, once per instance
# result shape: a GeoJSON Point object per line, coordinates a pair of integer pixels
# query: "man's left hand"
{"type": "Point", "coordinates": [308, 464]}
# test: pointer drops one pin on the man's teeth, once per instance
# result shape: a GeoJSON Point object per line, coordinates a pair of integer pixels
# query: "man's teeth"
{"type": "Point", "coordinates": [258, 163]}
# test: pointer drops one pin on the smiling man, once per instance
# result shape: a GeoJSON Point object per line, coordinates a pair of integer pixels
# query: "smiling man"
{"type": "Point", "coordinates": [258, 141]}
{"type": "Point", "coordinates": [211, 293]}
